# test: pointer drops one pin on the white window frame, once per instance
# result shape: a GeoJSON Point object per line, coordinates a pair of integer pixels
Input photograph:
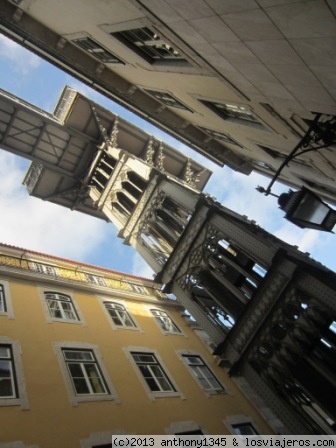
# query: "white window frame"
{"type": "Point", "coordinates": [110, 393]}
{"type": "Point", "coordinates": [97, 50]}
{"type": "Point", "coordinates": [104, 301]}
{"type": "Point", "coordinates": [20, 399]}
{"type": "Point", "coordinates": [153, 394]}
{"type": "Point", "coordinates": [140, 24]}
{"type": "Point", "coordinates": [235, 420]}
{"type": "Point", "coordinates": [71, 358]}
{"type": "Point", "coordinates": [6, 356]}
{"type": "Point", "coordinates": [191, 66]}
{"type": "Point", "coordinates": [184, 354]}
{"type": "Point", "coordinates": [6, 298]}
{"type": "Point", "coordinates": [79, 321]}
{"type": "Point", "coordinates": [94, 279]}
{"type": "Point", "coordinates": [61, 300]}
{"type": "Point", "coordinates": [139, 289]}
{"type": "Point", "coordinates": [160, 95]}
{"type": "Point", "coordinates": [159, 320]}
{"type": "Point", "coordinates": [42, 268]}
{"type": "Point", "coordinates": [241, 110]}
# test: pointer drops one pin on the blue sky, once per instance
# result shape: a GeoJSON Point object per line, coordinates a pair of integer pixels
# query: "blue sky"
{"type": "Point", "coordinates": [33, 224]}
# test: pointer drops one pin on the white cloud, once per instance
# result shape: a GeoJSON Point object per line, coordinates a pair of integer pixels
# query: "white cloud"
{"type": "Point", "coordinates": [41, 226]}
{"type": "Point", "coordinates": [237, 192]}
{"type": "Point", "coordinates": [141, 268]}
{"type": "Point", "coordinates": [21, 60]}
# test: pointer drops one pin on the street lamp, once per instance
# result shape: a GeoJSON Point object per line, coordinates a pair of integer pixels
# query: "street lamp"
{"type": "Point", "coordinates": [305, 209]}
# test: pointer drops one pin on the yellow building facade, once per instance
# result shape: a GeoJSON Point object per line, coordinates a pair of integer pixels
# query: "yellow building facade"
{"type": "Point", "coordinates": [86, 353]}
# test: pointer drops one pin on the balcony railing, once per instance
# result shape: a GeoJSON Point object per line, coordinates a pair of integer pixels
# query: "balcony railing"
{"type": "Point", "coordinates": [75, 274]}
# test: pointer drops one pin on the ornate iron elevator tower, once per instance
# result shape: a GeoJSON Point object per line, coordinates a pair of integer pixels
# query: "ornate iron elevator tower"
{"type": "Point", "coordinates": [269, 310]}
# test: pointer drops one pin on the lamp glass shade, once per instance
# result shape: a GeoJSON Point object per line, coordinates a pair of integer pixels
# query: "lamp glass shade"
{"type": "Point", "coordinates": [305, 209]}
{"type": "Point", "coordinates": [312, 210]}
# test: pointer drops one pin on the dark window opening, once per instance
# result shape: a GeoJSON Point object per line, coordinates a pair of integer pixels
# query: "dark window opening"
{"type": "Point", "coordinates": [3, 305]}
{"type": "Point", "coordinates": [125, 202]}
{"type": "Point", "coordinates": [137, 180]}
{"type": "Point", "coordinates": [220, 136]}
{"type": "Point", "coordinates": [149, 45]}
{"type": "Point", "coordinates": [167, 99]}
{"type": "Point", "coordinates": [8, 386]}
{"type": "Point", "coordinates": [131, 189]}
{"type": "Point", "coordinates": [244, 429]}
{"type": "Point", "coordinates": [236, 113]}
{"type": "Point", "coordinates": [96, 50]}
{"type": "Point", "coordinates": [152, 372]}
{"type": "Point", "coordinates": [227, 261]}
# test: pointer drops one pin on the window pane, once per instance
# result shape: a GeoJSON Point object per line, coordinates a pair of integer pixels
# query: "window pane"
{"type": "Point", "coordinates": [68, 310]}
{"type": "Point", "coordinates": [147, 374]}
{"type": "Point", "coordinates": [211, 382]}
{"type": "Point", "coordinates": [165, 321]}
{"type": "Point", "coordinates": [152, 372]}
{"type": "Point", "coordinates": [5, 369]}
{"type": "Point", "coordinates": [204, 383]}
{"type": "Point", "coordinates": [146, 41]}
{"type": "Point", "coordinates": [77, 354]}
{"type": "Point", "coordinates": [76, 370]}
{"type": "Point", "coordinates": [6, 388]}
{"type": "Point", "coordinates": [60, 306]}
{"type": "Point", "coordinates": [203, 374]}
{"type": "Point", "coordinates": [115, 317]}
{"type": "Point", "coordinates": [152, 384]}
{"type": "Point", "coordinates": [6, 382]}
{"type": "Point", "coordinates": [80, 386]}
{"type": "Point", "coordinates": [85, 375]}
{"type": "Point", "coordinates": [78, 378]}
{"type": "Point", "coordinates": [160, 376]}
{"type": "Point", "coordinates": [195, 360]}
{"type": "Point", "coordinates": [94, 377]}
{"type": "Point", "coordinates": [148, 359]}
{"type": "Point", "coordinates": [119, 315]}
{"type": "Point", "coordinates": [4, 352]}
{"type": "Point", "coordinates": [244, 429]}
{"type": "Point", "coordinates": [3, 307]}
{"type": "Point", "coordinates": [126, 320]}
{"type": "Point", "coordinates": [54, 309]}
{"type": "Point", "coordinates": [165, 386]}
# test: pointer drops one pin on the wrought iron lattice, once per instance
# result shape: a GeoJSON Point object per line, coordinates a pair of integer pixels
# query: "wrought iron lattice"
{"type": "Point", "coordinates": [288, 338]}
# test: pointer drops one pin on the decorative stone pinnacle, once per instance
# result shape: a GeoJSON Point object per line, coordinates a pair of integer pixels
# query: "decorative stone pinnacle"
{"type": "Point", "coordinates": [160, 158]}
{"type": "Point", "coordinates": [149, 154]}
{"type": "Point", "coordinates": [114, 134]}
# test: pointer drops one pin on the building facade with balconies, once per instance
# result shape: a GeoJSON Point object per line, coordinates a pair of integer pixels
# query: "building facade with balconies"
{"type": "Point", "coordinates": [87, 353]}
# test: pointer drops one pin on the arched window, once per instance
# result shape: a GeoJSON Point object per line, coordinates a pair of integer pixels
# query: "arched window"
{"type": "Point", "coordinates": [119, 315]}
{"type": "Point", "coordinates": [165, 322]}
{"type": "Point", "coordinates": [60, 306]}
